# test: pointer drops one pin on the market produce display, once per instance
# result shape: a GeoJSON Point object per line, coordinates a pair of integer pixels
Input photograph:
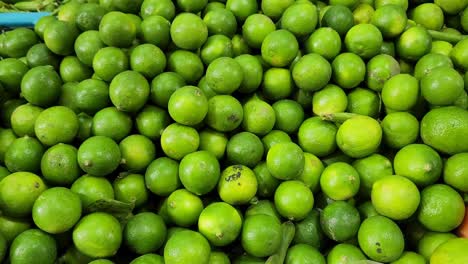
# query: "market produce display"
{"type": "Point", "coordinates": [235, 131]}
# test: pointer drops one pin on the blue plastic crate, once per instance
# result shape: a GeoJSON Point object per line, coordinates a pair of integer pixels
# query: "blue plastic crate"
{"type": "Point", "coordinates": [20, 19]}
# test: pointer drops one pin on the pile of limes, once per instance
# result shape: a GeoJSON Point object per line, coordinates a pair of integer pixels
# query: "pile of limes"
{"type": "Point", "coordinates": [236, 131]}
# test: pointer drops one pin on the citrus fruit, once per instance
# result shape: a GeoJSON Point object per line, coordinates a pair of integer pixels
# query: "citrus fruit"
{"type": "Point", "coordinates": [419, 163]}
{"type": "Point", "coordinates": [450, 7]}
{"type": "Point", "coordinates": [244, 148]}
{"type": "Point", "coordinates": [214, 142]}
{"type": "Point", "coordinates": [267, 184]}
{"type": "Point", "coordinates": [187, 246]}
{"type": "Point", "coordinates": [184, 207]}
{"type": "Point", "coordinates": [259, 117]}
{"type": "Point", "coordinates": [148, 259]}
{"type": "Point", "coordinates": [317, 136]}
{"type": "Point", "coordinates": [308, 231]}
{"type": "Point", "coordinates": [137, 152]}
{"type": "Point", "coordinates": [261, 235]}
{"type": "Point", "coordinates": [339, 181]}
{"type": "Point", "coordinates": [40, 86]}
{"type": "Point", "coordinates": [111, 123]}
{"type": "Point", "coordinates": [340, 221]}
{"type": "Point", "coordinates": [279, 48]}
{"type": "Point", "coordinates": [88, 16]}
{"type": "Point", "coordinates": [330, 99]}
{"type": "Point", "coordinates": [23, 119]}
{"type": "Point", "coordinates": [117, 30]}
{"type": "Point", "coordinates": [402, 3]}
{"type": "Point", "coordinates": [126, 85]}
{"type": "Point", "coordinates": [324, 41]}
{"type": "Point", "coordinates": [349, 70]}
{"type": "Point", "coordinates": [300, 18]}
{"type": "Point", "coordinates": [98, 235]}
{"type": "Point", "coordinates": [359, 136]}
{"type": "Point", "coordinates": [144, 232]}
{"type": "Point", "coordinates": [411, 257]}
{"type": "Point", "coordinates": [216, 46]}
{"type": "Point", "coordinates": [365, 40]}
{"type": "Point", "coordinates": [164, 8]}
{"type": "Point", "coordinates": [17, 42]}
{"type": "Point", "coordinates": [130, 188]}
{"type": "Point", "coordinates": [274, 137]}
{"type": "Point", "coordinates": [390, 19]}
{"type": "Point", "coordinates": [11, 73]}
{"type": "Point", "coordinates": [84, 132]}
{"type": "Point", "coordinates": [87, 44]}
{"type": "Point", "coordinates": [342, 253]}
{"type": "Point", "coordinates": [285, 161]}
{"type": "Point", "coordinates": [179, 140]}
{"type": "Point", "coordinates": [381, 239]}
{"type": "Point", "coordinates": [11, 227]}
{"type": "Point", "coordinates": [363, 13]}
{"type": "Point", "coordinates": [403, 201]}
{"type": "Point", "coordinates": [59, 165]}
{"type": "Point", "coordinates": [33, 246]}
{"type": "Point", "coordinates": [162, 176]}
{"type": "Point", "coordinates": [188, 31]}
{"type": "Point", "coordinates": [303, 253]}
{"type": "Point", "coordinates": [163, 86]}
{"type": "Point", "coordinates": [430, 241]}
{"type": "Point", "coordinates": [73, 70]}
{"type": "Point", "coordinates": [277, 83]}
{"type": "Point", "coordinates": [40, 55]}
{"type": "Point", "coordinates": [57, 124]}
{"type": "Point", "coordinates": [24, 154]}
{"type": "Point", "coordinates": [451, 251]}
{"type": "Point", "coordinates": [442, 86]}
{"type": "Point", "coordinates": [199, 172]}
{"type": "Point", "coordinates": [442, 208]}
{"type": "Point", "coordinates": [289, 115]}
{"type": "Point", "coordinates": [90, 96]}
{"type": "Point", "coordinates": [59, 37]}
{"type": "Point", "coordinates": [380, 69]}
{"type": "Point", "coordinates": [90, 189]}
{"type": "Point", "coordinates": [338, 17]}
{"type": "Point", "coordinates": [188, 105]}
{"type": "Point", "coordinates": [224, 75]}
{"type": "Point", "coordinates": [441, 47]}
{"type": "Point", "coordinates": [108, 62]}
{"type": "Point", "coordinates": [294, 200]}
{"type": "Point", "coordinates": [218, 257]}
{"type": "Point", "coordinates": [220, 21]}
{"type": "Point", "coordinates": [371, 169]}
{"type": "Point", "coordinates": [220, 223]}
{"type": "Point", "coordinates": [423, 11]}
{"type": "Point", "coordinates": [275, 8]}
{"type": "Point", "coordinates": [148, 60]}
{"type": "Point", "coordinates": [56, 210]}
{"type": "Point", "coordinates": [454, 171]}
{"type": "Point", "coordinates": [237, 185]}
{"type": "Point", "coordinates": [253, 72]}
{"type": "Point", "coordinates": [311, 65]}
{"type": "Point", "coordinates": [225, 113]}
{"type": "Point", "coordinates": [99, 156]}
{"type": "Point", "coordinates": [242, 8]}
{"type": "Point", "coordinates": [255, 28]}
{"type": "Point", "coordinates": [397, 86]}
{"type": "Point", "coordinates": [459, 54]}
{"type": "Point", "coordinates": [429, 62]}
{"type": "Point", "coordinates": [266, 207]}
{"type": "Point", "coordinates": [400, 129]}
{"type": "Point", "coordinates": [413, 43]}
{"type": "Point", "coordinates": [42, 23]}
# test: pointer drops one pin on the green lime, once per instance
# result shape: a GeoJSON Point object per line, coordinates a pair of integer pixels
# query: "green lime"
{"type": "Point", "coordinates": [89, 16]}
{"type": "Point", "coordinates": [344, 253]}
{"type": "Point", "coordinates": [186, 247]}
{"type": "Point", "coordinates": [108, 62]}
{"type": "Point", "coordinates": [33, 246]}
{"type": "Point", "coordinates": [131, 188]}
{"type": "Point", "coordinates": [206, 89]}
{"type": "Point", "coordinates": [11, 74]}
{"type": "Point", "coordinates": [340, 221]}
{"type": "Point", "coordinates": [261, 235]}
{"type": "Point", "coordinates": [220, 21]}
{"type": "Point", "coordinates": [413, 43]}
{"type": "Point", "coordinates": [364, 102]}
{"type": "Point", "coordinates": [381, 239]}
{"type": "Point", "coordinates": [179, 140]}
{"type": "Point", "coordinates": [441, 47]}
{"type": "Point", "coordinates": [399, 129]}
{"type": "Point", "coordinates": [156, 30]}
{"type": "Point", "coordinates": [253, 73]}
{"type": "Point", "coordinates": [73, 70]}
{"type": "Point", "coordinates": [87, 44]}
{"type": "Point", "coordinates": [188, 105]}
{"type": "Point", "coordinates": [244, 148]}
{"type": "Point", "coordinates": [395, 197]}
{"type": "Point", "coordinates": [59, 165]}
{"type": "Point", "coordinates": [274, 137]}
{"type": "Point", "coordinates": [429, 62]}
{"type": "Point", "coordinates": [116, 29]}
{"type": "Point", "coordinates": [359, 136]}
{"type": "Point", "coordinates": [56, 210]}
{"type": "Point", "coordinates": [40, 55]}
{"type": "Point", "coordinates": [275, 8]}
{"type": "Point", "coordinates": [265, 207]}
{"type": "Point", "coordinates": [84, 130]}
{"type": "Point", "coordinates": [192, 6]}
{"type": "Point", "coordinates": [91, 189]}
{"type": "Point", "coordinates": [151, 121]}
{"type": "Point", "coordinates": [164, 8]}
{"type": "Point", "coordinates": [24, 154]}
{"type": "Point", "coordinates": [184, 207]}
{"type": "Point", "coordinates": [12, 227]}
{"type": "Point", "coordinates": [451, 251]}
{"type": "Point", "coordinates": [371, 169]}
{"type": "Point", "coordinates": [364, 40]}
{"type": "Point", "coordinates": [91, 95]}
{"type": "Point", "coordinates": [300, 19]}
{"type": "Point", "coordinates": [388, 47]}
{"type": "Point", "coordinates": [242, 9]}
{"type": "Point", "coordinates": [349, 70]}
{"type": "Point", "coordinates": [330, 99]}
{"type": "Point", "coordinates": [285, 161]}
{"type": "Point", "coordinates": [216, 46]}
{"type": "Point", "coordinates": [430, 241]}
{"type": "Point", "coordinates": [324, 41]}
{"type": "Point", "coordinates": [218, 257]}
{"type": "Point", "coordinates": [98, 235]}
{"type": "Point", "coordinates": [279, 48]}
{"type": "Point", "coordinates": [317, 136]}
{"type": "Point", "coordinates": [163, 86]}
{"type": "Point", "coordinates": [340, 181]}
{"type": "Point", "coordinates": [199, 172]}
{"type": "Point", "coordinates": [144, 233]}
{"type": "Point", "coordinates": [423, 11]}
{"type": "Point", "coordinates": [148, 259]}
{"type": "Point", "coordinates": [188, 31]}
{"type": "Point", "coordinates": [379, 70]}
{"type": "Point", "coordinates": [267, 184]}
{"type": "Point", "coordinates": [410, 257]}
{"type": "Point", "coordinates": [294, 200]}
{"type": "Point", "coordinates": [224, 75]}
{"type": "Point", "coordinates": [41, 86]}
{"type": "Point", "coordinates": [240, 46]}
{"type": "Point", "coordinates": [419, 163]}
{"type": "Point", "coordinates": [129, 84]}
{"type": "Point", "coordinates": [17, 42]}
{"type": "Point", "coordinates": [390, 19]}
{"type": "Point", "coordinates": [255, 28]}
{"type": "Point", "coordinates": [57, 124]}
{"type": "Point", "coordinates": [442, 86]}
{"type": "Point", "coordinates": [454, 171]}
{"type": "Point", "coordinates": [303, 253]}
{"type": "Point", "coordinates": [259, 117]}
{"type": "Point", "coordinates": [459, 54]}
{"type": "Point", "coordinates": [312, 72]}
{"type": "Point", "coordinates": [402, 3]}
{"type": "Point", "coordinates": [450, 7]}
{"type": "Point", "coordinates": [42, 23]}
{"type": "Point", "coordinates": [400, 92]}
{"type": "Point", "coordinates": [23, 119]}
{"type": "Point", "coordinates": [60, 36]}
{"type": "Point", "coordinates": [338, 17]}
{"type": "Point", "coordinates": [187, 64]}
{"type": "Point", "coordinates": [214, 142]}
{"type": "Point", "coordinates": [162, 176]}
{"type": "Point", "coordinates": [308, 231]}
{"type": "Point", "coordinates": [19, 190]}
{"type": "Point", "coordinates": [363, 13]}
{"type": "Point", "coordinates": [8, 107]}
{"type": "Point", "coordinates": [277, 83]}
{"type": "Point", "coordinates": [148, 60]}
{"type": "Point", "coordinates": [99, 156]}
{"type": "Point", "coordinates": [137, 152]}
{"type": "Point", "coordinates": [289, 115]}
{"type": "Point", "coordinates": [237, 185]}
{"type": "Point", "coordinates": [111, 123]}
{"type": "Point", "coordinates": [225, 113]}
{"type": "Point", "coordinates": [220, 223]}
{"type": "Point", "coordinates": [442, 208]}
